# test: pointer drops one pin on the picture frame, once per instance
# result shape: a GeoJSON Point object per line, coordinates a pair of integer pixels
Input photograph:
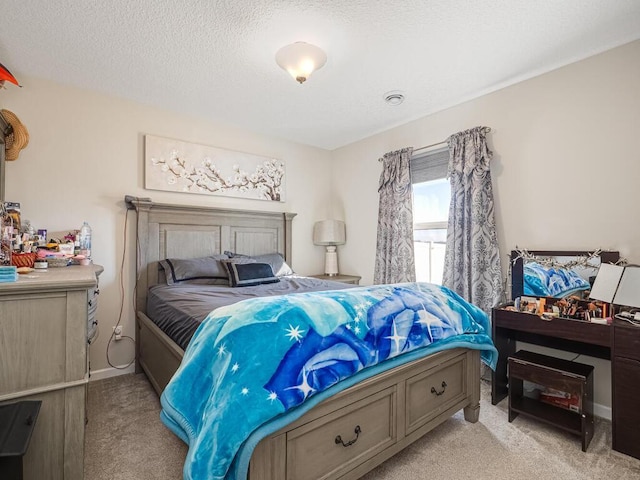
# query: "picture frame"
{"type": "Point", "coordinates": [179, 166]}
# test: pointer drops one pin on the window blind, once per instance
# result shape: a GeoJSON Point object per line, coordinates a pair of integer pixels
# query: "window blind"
{"type": "Point", "coordinates": [431, 165]}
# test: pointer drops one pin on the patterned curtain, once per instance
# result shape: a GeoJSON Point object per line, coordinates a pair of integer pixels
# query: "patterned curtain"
{"type": "Point", "coordinates": [472, 260]}
{"type": "Point", "coordinates": [394, 254]}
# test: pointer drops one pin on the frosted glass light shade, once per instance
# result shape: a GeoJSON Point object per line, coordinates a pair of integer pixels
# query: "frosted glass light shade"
{"type": "Point", "coordinates": [329, 232]}
{"type": "Point", "coordinates": [301, 59]}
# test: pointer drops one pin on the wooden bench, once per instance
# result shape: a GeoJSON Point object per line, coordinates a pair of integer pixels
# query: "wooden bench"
{"type": "Point", "coordinates": [566, 376]}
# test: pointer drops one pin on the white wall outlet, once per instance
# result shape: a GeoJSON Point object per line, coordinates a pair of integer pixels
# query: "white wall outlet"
{"type": "Point", "coordinates": [117, 332]}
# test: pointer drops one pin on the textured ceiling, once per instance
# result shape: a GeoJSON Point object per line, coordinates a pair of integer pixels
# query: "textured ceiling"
{"type": "Point", "coordinates": [215, 59]}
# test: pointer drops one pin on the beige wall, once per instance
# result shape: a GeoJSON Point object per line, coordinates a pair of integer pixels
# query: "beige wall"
{"type": "Point", "coordinates": [565, 171]}
{"type": "Point", "coordinates": [86, 153]}
{"type": "Point", "coordinates": [566, 166]}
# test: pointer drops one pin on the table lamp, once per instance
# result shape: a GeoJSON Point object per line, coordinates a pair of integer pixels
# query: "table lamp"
{"type": "Point", "coordinates": [329, 233]}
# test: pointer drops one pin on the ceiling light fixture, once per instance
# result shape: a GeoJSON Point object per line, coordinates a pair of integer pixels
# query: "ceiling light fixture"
{"type": "Point", "coordinates": [394, 98]}
{"type": "Point", "coordinates": [301, 59]}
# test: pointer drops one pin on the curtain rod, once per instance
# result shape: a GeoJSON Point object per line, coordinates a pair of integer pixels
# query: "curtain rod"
{"type": "Point", "coordinates": [486, 130]}
{"type": "Point", "coordinates": [429, 146]}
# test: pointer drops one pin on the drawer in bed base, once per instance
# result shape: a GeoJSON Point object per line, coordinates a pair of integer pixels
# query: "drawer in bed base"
{"type": "Point", "coordinates": [272, 459]}
{"type": "Point", "coordinates": [347, 437]}
{"type": "Point", "coordinates": [430, 393]}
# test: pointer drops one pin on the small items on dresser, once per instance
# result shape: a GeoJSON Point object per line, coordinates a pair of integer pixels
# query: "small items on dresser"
{"type": "Point", "coordinates": [22, 247]}
{"type": "Point", "coordinates": [23, 259]}
{"type": "Point", "coordinates": [85, 244]}
{"type": "Point", "coordinates": [8, 274]}
{"type": "Point", "coordinates": [6, 236]}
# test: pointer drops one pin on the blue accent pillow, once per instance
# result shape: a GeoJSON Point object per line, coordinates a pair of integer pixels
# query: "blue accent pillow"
{"type": "Point", "coordinates": [278, 265]}
{"type": "Point", "coordinates": [246, 274]}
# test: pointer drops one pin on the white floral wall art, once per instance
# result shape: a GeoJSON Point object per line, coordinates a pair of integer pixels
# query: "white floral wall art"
{"type": "Point", "coordinates": [178, 166]}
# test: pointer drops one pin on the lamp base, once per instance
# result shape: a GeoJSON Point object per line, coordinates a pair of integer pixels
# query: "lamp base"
{"type": "Point", "coordinates": [331, 261]}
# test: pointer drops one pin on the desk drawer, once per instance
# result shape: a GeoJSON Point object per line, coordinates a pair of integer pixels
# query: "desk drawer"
{"type": "Point", "coordinates": [626, 415]}
{"type": "Point", "coordinates": [314, 452]}
{"type": "Point", "coordinates": [626, 341]}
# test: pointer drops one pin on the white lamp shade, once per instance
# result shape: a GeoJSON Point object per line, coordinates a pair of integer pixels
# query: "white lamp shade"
{"type": "Point", "coordinates": [329, 232]}
{"type": "Point", "coordinates": [301, 59]}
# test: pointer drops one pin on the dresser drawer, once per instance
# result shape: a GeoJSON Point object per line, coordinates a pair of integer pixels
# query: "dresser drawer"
{"type": "Point", "coordinates": [92, 307]}
{"type": "Point", "coordinates": [430, 393]}
{"type": "Point", "coordinates": [33, 353]}
{"type": "Point", "coordinates": [626, 341]}
{"type": "Point", "coordinates": [342, 440]}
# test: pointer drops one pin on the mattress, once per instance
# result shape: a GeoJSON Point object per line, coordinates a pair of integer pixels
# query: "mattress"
{"type": "Point", "coordinates": [178, 310]}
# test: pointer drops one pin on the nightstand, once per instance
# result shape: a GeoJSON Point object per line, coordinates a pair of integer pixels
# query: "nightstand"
{"type": "Point", "coordinates": [352, 279]}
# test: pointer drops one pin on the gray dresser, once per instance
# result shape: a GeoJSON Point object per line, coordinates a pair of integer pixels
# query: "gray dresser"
{"type": "Point", "coordinates": [43, 356]}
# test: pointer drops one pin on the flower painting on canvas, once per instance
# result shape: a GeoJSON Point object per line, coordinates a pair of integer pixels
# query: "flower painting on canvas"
{"type": "Point", "coordinates": [178, 166]}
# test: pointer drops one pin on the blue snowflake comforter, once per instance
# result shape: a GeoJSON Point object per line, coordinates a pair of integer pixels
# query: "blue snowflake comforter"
{"type": "Point", "coordinates": [257, 365]}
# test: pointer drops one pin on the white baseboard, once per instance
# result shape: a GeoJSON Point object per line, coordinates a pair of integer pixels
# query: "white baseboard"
{"type": "Point", "coordinates": [111, 372]}
{"type": "Point", "coordinates": [602, 411]}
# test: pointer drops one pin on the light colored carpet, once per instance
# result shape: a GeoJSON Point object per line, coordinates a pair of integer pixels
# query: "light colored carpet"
{"type": "Point", "coordinates": [125, 440]}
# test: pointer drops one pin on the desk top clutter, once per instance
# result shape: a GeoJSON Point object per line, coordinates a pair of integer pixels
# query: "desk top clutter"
{"type": "Point", "coordinates": [8, 274]}
{"type": "Point", "coordinates": [23, 248]}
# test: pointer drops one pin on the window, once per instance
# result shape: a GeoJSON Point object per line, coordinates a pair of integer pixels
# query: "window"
{"type": "Point", "coordinates": [431, 198]}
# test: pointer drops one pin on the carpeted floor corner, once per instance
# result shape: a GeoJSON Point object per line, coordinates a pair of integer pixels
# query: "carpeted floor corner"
{"type": "Point", "coordinates": [125, 440]}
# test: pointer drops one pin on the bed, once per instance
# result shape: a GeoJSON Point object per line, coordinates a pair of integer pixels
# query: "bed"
{"type": "Point", "coordinates": [350, 431]}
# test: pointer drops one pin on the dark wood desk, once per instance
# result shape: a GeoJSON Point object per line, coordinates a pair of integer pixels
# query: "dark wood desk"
{"type": "Point", "coordinates": [619, 342]}
{"type": "Point", "coordinates": [577, 336]}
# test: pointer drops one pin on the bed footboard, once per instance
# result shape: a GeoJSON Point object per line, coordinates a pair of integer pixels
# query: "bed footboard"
{"type": "Point", "coordinates": [351, 433]}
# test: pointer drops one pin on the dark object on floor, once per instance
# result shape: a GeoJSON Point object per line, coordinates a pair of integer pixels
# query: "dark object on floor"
{"type": "Point", "coordinates": [17, 421]}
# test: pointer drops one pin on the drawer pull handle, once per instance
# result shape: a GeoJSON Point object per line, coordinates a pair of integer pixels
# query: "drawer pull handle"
{"type": "Point", "coordinates": [444, 387]}
{"type": "Point", "coordinates": [357, 431]}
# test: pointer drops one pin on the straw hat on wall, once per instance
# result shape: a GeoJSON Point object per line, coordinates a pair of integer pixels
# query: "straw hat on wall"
{"type": "Point", "coordinates": [17, 139]}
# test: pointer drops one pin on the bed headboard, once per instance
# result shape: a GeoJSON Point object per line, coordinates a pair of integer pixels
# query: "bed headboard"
{"type": "Point", "coordinates": [182, 231]}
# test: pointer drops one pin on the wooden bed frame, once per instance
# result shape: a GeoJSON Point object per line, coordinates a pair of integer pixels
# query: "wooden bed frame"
{"type": "Point", "coordinates": [349, 433]}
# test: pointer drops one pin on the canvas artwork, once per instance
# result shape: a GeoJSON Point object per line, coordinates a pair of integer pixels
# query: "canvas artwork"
{"type": "Point", "coordinates": [177, 166]}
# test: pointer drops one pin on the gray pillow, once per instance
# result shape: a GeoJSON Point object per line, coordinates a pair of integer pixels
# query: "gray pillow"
{"type": "Point", "coordinates": [204, 270]}
{"type": "Point", "coordinates": [278, 265]}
